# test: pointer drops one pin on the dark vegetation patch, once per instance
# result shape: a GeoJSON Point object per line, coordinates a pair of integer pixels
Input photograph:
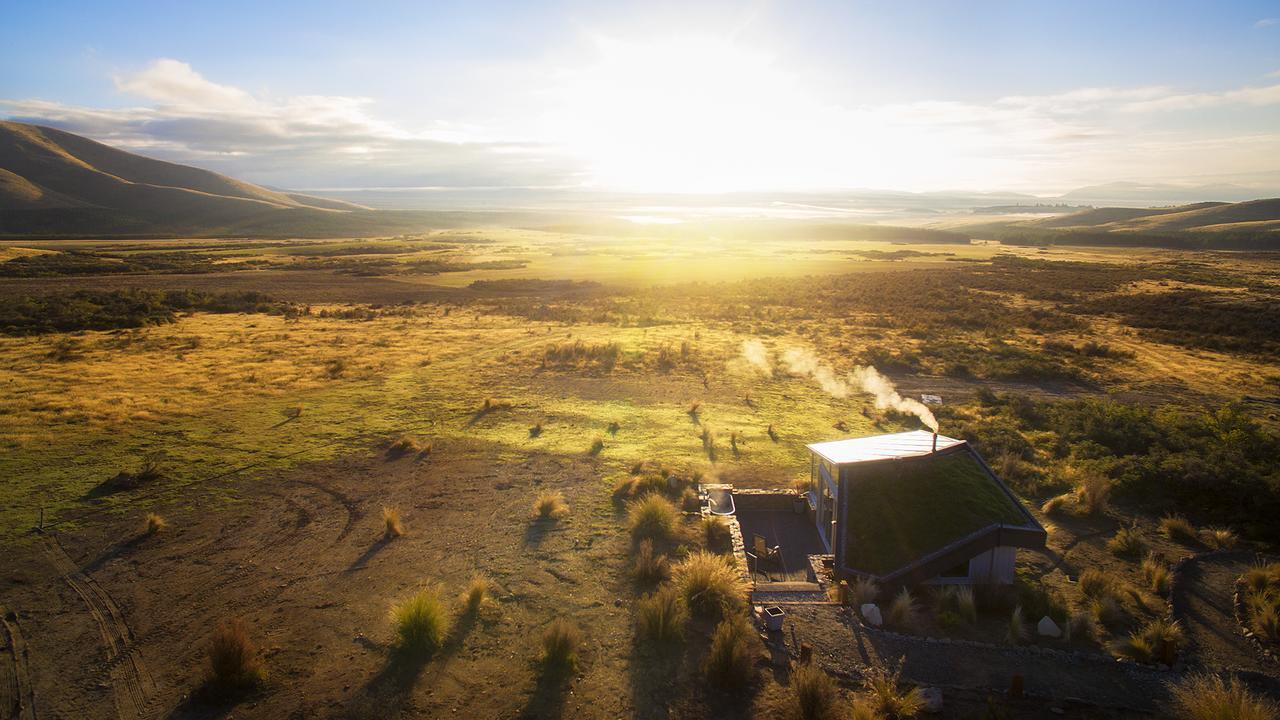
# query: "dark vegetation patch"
{"type": "Point", "coordinates": [115, 309]}
{"type": "Point", "coordinates": [81, 262]}
{"type": "Point", "coordinates": [1198, 318]}
{"type": "Point", "coordinates": [532, 285]}
{"type": "Point", "coordinates": [1215, 464]}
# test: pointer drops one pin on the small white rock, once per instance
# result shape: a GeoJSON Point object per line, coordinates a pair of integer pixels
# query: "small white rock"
{"type": "Point", "coordinates": [1048, 628]}
{"type": "Point", "coordinates": [871, 613]}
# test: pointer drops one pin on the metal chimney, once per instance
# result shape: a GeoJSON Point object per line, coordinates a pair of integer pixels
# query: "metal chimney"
{"type": "Point", "coordinates": [935, 442]}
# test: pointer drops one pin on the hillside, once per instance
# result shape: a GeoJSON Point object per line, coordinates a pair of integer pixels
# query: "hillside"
{"type": "Point", "coordinates": [1255, 215]}
{"type": "Point", "coordinates": [57, 183]}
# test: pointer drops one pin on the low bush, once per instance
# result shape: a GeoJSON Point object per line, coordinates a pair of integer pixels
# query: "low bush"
{"type": "Point", "coordinates": [391, 525]}
{"type": "Point", "coordinates": [1096, 583]}
{"type": "Point", "coordinates": [710, 584]}
{"type": "Point", "coordinates": [959, 601]}
{"type": "Point", "coordinates": [864, 590]}
{"type": "Point", "coordinates": [817, 695]}
{"type": "Point", "coordinates": [650, 567]}
{"type": "Point", "coordinates": [1019, 631]}
{"type": "Point", "coordinates": [652, 516]}
{"type": "Point", "coordinates": [661, 617]}
{"type": "Point", "coordinates": [1178, 529]}
{"type": "Point", "coordinates": [689, 500]}
{"type": "Point", "coordinates": [716, 535]}
{"type": "Point", "coordinates": [1209, 697]}
{"type": "Point", "coordinates": [420, 623]}
{"type": "Point", "coordinates": [1127, 542]}
{"type": "Point", "coordinates": [155, 523]}
{"type": "Point", "coordinates": [1156, 573]}
{"type": "Point", "coordinates": [405, 445]}
{"type": "Point", "coordinates": [903, 613]}
{"type": "Point", "coordinates": [550, 506]}
{"type": "Point", "coordinates": [1156, 642]}
{"type": "Point", "coordinates": [560, 643]}
{"type": "Point", "coordinates": [476, 593]}
{"type": "Point", "coordinates": [886, 696]}
{"type": "Point", "coordinates": [1219, 538]}
{"type": "Point", "coordinates": [729, 661]}
{"type": "Point", "coordinates": [233, 660]}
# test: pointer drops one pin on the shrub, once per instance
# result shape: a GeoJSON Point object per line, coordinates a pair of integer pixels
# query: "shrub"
{"type": "Point", "coordinates": [716, 535]}
{"type": "Point", "coordinates": [550, 506]}
{"type": "Point", "coordinates": [689, 500]}
{"type": "Point", "coordinates": [816, 693]}
{"type": "Point", "coordinates": [864, 590]}
{"type": "Point", "coordinates": [391, 526]}
{"type": "Point", "coordinates": [729, 663]}
{"type": "Point", "coordinates": [233, 660]}
{"type": "Point", "coordinates": [1157, 641]}
{"type": "Point", "coordinates": [652, 516]}
{"type": "Point", "coordinates": [597, 446]}
{"type": "Point", "coordinates": [406, 445]}
{"type": "Point", "coordinates": [420, 623]}
{"type": "Point", "coordinates": [903, 612]}
{"type": "Point", "coordinates": [649, 567]}
{"type": "Point", "coordinates": [155, 523]}
{"type": "Point", "coordinates": [474, 596]}
{"type": "Point", "coordinates": [1219, 538]}
{"type": "Point", "coordinates": [1126, 543]}
{"type": "Point", "coordinates": [560, 644]}
{"type": "Point", "coordinates": [1156, 574]}
{"type": "Point", "coordinates": [1096, 583]}
{"type": "Point", "coordinates": [1093, 492]}
{"type": "Point", "coordinates": [660, 617]}
{"type": "Point", "coordinates": [709, 583]}
{"type": "Point", "coordinates": [1178, 529]}
{"type": "Point", "coordinates": [535, 430]}
{"type": "Point", "coordinates": [773, 434]}
{"type": "Point", "coordinates": [884, 695]}
{"type": "Point", "coordinates": [1208, 697]}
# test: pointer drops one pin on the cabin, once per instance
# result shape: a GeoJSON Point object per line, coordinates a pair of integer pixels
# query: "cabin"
{"type": "Point", "coordinates": [915, 508]}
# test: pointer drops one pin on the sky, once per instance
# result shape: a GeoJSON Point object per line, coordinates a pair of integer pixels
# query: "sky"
{"type": "Point", "coordinates": [681, 97]}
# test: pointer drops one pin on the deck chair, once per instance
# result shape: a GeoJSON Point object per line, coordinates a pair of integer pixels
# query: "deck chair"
{"type": "Point", "coordinates": [762, 549]}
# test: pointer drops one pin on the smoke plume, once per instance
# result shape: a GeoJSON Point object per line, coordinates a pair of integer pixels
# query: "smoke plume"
{"type": "Point", "coordinates": [800, 361]}
{"type": "Point", "coordinates": [755, 353]}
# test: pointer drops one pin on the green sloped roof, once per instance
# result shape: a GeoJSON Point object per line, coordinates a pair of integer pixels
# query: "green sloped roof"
{"type": "Point", "coordinates": [902, 510]}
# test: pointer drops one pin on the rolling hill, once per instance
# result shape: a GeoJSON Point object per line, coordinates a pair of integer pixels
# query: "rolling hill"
{"type": "Point", "coordinates": [55, 183]}
{"type": "Point", "coordinates": [1254, 215]}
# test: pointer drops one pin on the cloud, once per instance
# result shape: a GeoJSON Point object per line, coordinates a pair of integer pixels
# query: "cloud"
{"type": "Point", "coordinates": [1250, 96]}
{"type": "Point", "coordinates": [1266, 22]}
{"type": "Point", "coordinates": [299, 141]}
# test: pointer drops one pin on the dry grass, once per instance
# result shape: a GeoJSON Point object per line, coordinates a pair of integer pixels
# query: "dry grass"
{"type": "Point", "coordinates": [233, 660]}
{"type": "Point", "coordinates": [652, 516]}
{"type": "Point", "coordinates": [597, 446]}
{"type": "Point", "coordinates": [550, 506]}
{"type": "Point", "coordinates": [716, 535]}
{"type": "Point", "coordinates": [903, 612]}
{"type": "Point", "coordinates": [1156, 573]}
{"type": "Point", "coordinates": [884, 695]}
{"type": "Point", "coordinates": [473, 598]}
{"type": "Point", "coordinates": [959, 599]}
{"type": "Point", "coordinates": [650, 567]}
{"type": "Point", "coordinates": [1178, 529]}
{"type": "Point", "coordinates": [661, 617]}
{"type": "Point", "coordinates": [729, 661]}
{"type": "Point", "coordinates": [689, 500]}
{"type": "Point", "coordinates": [1018, 631]}
{"type": "Point", "coordinates": [817, 695]}
{"type": "Point", "coordinates": [392, 527]}
{"type": "Point", "coordinates": [864, 590]}
{"type": "Point", "coordinates": [405, 445]}
{"type": "Point", "coordinates": [1219, 538]}
{"type": "Point", "coordinates": [560, 643]}
{"type": "Point", "coordinates": [155, 523]}
{"type": "Point", "coordinates": [1209, 697]}
{"type": "Point", "coordinates": [1127, 542]}
{"type": "Point", "coordinates": [710, 584]}
{"type": "Point", "coordinates": [420, 623]}
{"type": "Point", "coordinates": [1156, 642]}
{"type": "Point", "coordinates": [1095, 583]}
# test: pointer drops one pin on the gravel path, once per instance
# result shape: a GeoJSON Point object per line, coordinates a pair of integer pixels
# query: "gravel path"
{"type": "Point", "coordinates": [846, 648]}
{"type": "Point", "coordinates": [1202, 602]}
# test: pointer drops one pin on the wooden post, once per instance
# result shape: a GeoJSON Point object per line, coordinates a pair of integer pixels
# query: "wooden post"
{"type": "Point", "coordinates": [1016, 687]}
{"type": "Point", "coordinates": [40, 527]}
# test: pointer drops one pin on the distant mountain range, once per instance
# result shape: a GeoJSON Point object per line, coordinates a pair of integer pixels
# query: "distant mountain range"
{"type": "Point", "coordinates": [57, 184]}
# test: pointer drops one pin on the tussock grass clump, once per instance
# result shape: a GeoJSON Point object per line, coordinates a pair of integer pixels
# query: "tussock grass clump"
{"type": "Point", "coordinates": [1056, 505]}
{"type": "Point", "coordinates": [1093, 493]}
{"type": "Point", "coordinates": [652, 516]}
{"type": "Point", "coordinates": [580, 354]}
{"type": "Point", "coordinates": [661, 617]}
{"type": "Point", "coordinates": [817, 695]}
{"type": "Point", "coordinates": [391, 525]}
{"type": "Point", "coordinates": [1219, 538]}
{"type": "Point", "coordinates": [405, 445]}
{"type": "Point", "coordinates": [597, 446]}
{"type": "Point", "coordinates": [1209, 697]}
{"type": "Point", "coordinates": [233, 660]}
{"type": "Point", "coordinates": [155, 523]}
{"type": "Point", "coordinates": [1156, 642]}
{"type": "Point", "coordinates": [1096, 583]}
{"type": "Point", "coordinates": [550, 506]}
{"type": "Point", "coordinates": [710, 584]}
{"type": "Point", "coordinates": [884, 695]}
{"type": "Point", "coordinates": [1156, 573]}
{"type": "Point", "coordinates": [474, 596]}
{"type": "Point", "coordinates": [729, 663]}
{"type": "Point", "coordinates": [420, 623]}
{"type": "Point", "coordinates": [1019, 631]}
{"type": "Point", "coordinates": [1126, 543]}
{"type": "Point", "coordinates": [614, 427]}
{"type": "Point", "coordinates": [773, 434]}
{"type": "Point", "coordinates": [959, 600]}
{"type": "Point", "coordinates": [864, 590]}
{"type": "Point", "coordinates": [903, 613]}
{"type": "Point", "coordinates": [650, 567]}
{"type": "Point", "coordinates": [1262, 600]}
{"type": "Point", "coordinates": [494, 404]}
{"type": "Point", "coordinates": [715, 534]}
{"type": "Point", "coordinates": [1178, 529]}
{"type": "Point", "coordinates": [535, 430]}
{"type": "Point", "coordinates": [560, 643]}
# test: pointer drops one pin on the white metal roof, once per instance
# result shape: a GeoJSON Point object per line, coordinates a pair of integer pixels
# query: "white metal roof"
{"type": "Point", "coordinates": [881, 447]}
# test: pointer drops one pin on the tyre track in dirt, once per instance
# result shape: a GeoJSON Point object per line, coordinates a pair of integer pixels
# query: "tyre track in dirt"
{"type": "Point", "coordinates": [17, 696]}
{"type": "Point", "coordinates": [131, 682]}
